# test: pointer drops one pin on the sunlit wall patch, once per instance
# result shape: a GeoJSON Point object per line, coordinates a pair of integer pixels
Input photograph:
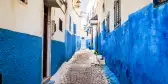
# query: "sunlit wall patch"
{"type": "Point", "coordinates": [157, 3]}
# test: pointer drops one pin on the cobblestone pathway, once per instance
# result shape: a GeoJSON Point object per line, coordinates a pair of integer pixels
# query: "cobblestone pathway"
{"type": "Point", "coordinates": [82, 70]}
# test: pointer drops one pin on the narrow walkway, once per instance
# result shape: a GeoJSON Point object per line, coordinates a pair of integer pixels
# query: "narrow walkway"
{"type": "Point", "coordinates": [82, 69]}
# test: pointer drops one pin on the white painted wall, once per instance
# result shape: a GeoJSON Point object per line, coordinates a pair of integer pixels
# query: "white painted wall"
{"type": "Point", "coordinates": [94, 30]}
{"type": "Point", "coordinates": [56, 14]}
{"type": "Point", "coordinates": [99, 12]}
{"type": "Point", "coordinates": [20, 17]}
{"type": "Point", "coordinates": [109, 7]}
{"type": "Point", "coordinates": [130, 6]}
{"type": "Point", "coordinates": [74, 18]}
{"type": "Point", "coordinates": [127, 7]}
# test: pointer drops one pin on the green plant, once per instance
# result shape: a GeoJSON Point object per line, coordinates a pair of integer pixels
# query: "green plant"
{"type": "Point", "coordinates": [95, 52]}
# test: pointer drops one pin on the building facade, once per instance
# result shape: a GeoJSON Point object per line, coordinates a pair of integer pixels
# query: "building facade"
{"type": "Point", "coordinates": [133, 49]}
{"type": "Point", "coordinates": [34, 39]}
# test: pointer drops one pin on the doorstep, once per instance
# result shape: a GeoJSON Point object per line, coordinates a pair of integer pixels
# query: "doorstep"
{"type": "Point", "coordinates": [56, 78]}
{"type": "Point", "coordinates": [99, 58]}
{"type": "Point", "coordinates": [45, 80]}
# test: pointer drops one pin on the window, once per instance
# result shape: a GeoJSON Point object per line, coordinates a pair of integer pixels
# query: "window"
{"type": "Point", "coordinates": [24, 1]}
{"type": "Point", "coordinates": [117, 13]}
{"type": "Point", "coordinates": [108, 22]}
{"type": "Point", "coordinates": [159, 2]}
{"type": "Point", "coordinates": [60, 24]}
{"type": "Point", "coordinates": [105, 33]}
{"type": "Point", "coordinates": [103, 24]}
{"type": "Point", "coordinates": [103, 7]}
{"type": "Point", "coordinates": [69, 23]}
{"type": "Point", "coordinates": [90, 30]}
{"type": "Point", "coordinates": [53, 27]}
{"type": "Point", "coordinates": [74, 28]}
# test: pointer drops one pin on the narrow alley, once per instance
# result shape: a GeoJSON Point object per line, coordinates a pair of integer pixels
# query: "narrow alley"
{"type": "Point", "coordinates": [83, 41]}
{"type": "Point", "coordinates": [83, 69]}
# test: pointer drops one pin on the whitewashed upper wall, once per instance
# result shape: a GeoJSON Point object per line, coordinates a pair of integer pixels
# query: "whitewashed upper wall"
{"type": "Point", "coordinates": [127, 7]}
{"type": "Point", "coordinates": [75, 19]}
{"type": "Point", "coordinates": [20, 17]}
{"type": "Point", "coordinates": [56, 14]}
{"type": "Point", "coordinates": [130, 6]}
{"type": "Point", "coordinates": [109, 7]}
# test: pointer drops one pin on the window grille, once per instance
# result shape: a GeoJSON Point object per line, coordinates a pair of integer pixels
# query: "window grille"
{"type": "Point", "coordinates": [60, 24]}
{"type": "Point", "coordinates": [117, 13]}
{"type": "Point", "coordinates": [108, 22]}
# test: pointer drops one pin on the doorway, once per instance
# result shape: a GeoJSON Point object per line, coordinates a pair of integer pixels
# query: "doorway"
{"type": "Point", "coordinates": [45, 42]}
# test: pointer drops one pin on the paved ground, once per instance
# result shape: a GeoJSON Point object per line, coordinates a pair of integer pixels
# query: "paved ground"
{"type": "Point", "coordinates": [82, 70]}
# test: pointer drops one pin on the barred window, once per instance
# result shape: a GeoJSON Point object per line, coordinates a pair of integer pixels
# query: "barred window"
{"type": "Point", "coordinates": [70, 23]}
{"type": "Point", "coordinates": [117, 13]}
{"type": "Point", "coordinates": [53, 27]}
{"type": "Point", "coordinates": [60, 25]}
{"type": "Point", "coordinates": [108, 22]}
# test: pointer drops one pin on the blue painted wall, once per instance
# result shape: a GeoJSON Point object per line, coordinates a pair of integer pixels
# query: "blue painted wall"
{"type": "Point", "coordinates": [102, 36]}
{"type": "Point", "coordinates": [137, 52]}
{"type": "Point", "coordinates": [78, 42]}
{"type": "Point", "coordinates": [70, 45]}
{"type": "Point", "coordinates": [110, 75]}
{"type": "Point", "coordinates": [57, 55]}
{"type": "Point", "coordinates": [95, 43]}
{"type": "Point", "coordinates": [88, 43]}
{"type": "Point", "coordinates": [20, 58]}
{"type": "Point", "coordinates": [99, 44]}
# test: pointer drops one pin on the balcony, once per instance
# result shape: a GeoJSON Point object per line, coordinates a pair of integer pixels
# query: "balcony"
{"type": "Point", "coordinates": [56, 3]}
{"type": "Point", "coordinates": [94, 20]}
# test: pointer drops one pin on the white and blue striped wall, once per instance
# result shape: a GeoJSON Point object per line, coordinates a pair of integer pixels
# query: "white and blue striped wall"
{"type": "Point", "coordinates": [21, 41]}
{"type": "Point", "coordinates": [57, 40]}
{"type": "Point", "coordinates": [136, 52]}
{"type": "Point", "coordinates": [21, 31]}
{"type": "Point", "coordinates": [127, 8]}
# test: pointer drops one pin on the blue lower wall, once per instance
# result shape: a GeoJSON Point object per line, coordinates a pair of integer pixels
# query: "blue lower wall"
{"type": "Point", "coordinates": [70, 43]}
{"type": "Point", "coordinates": [78, 43]}
{"type": "Point", "coordinates": [88, 43]}
{"type": "Point", "coordinates": [95, 43]}
{"type": "Point", "coordinates": [112, 79]}
{"type": "Point", "coordinates": [57, 55]}
{"type": "Point", "coordinates": [20, 58]}
{"type": "Point", "coordinates": [99, 44]}
{"type": "Point", "coordinates": [137, 52]}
